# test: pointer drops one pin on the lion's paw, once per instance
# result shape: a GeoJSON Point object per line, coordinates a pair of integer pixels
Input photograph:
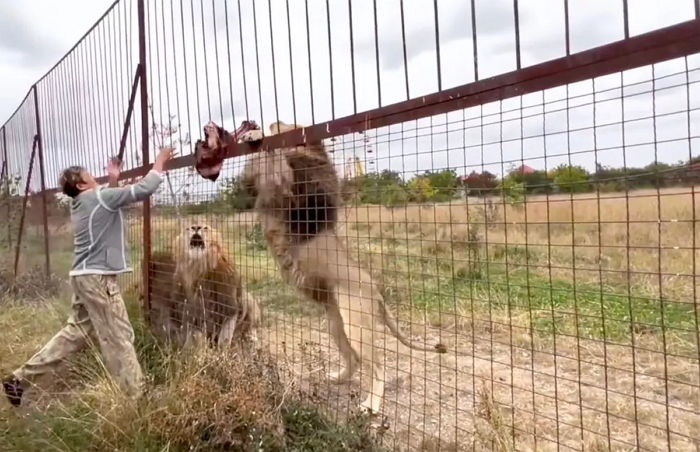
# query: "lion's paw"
{"type": "Point", "coordinates": [251, 136]}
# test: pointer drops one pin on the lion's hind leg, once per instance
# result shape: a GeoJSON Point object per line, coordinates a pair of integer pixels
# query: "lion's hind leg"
{"type": "Point", "coordinates": [254, 314]}
{"type": "Point", "coordinates": [357, 305]}
{"type": "Point", "coordinates": [227, 331]}
{"type": "Point", "coordinates": [351, 360]}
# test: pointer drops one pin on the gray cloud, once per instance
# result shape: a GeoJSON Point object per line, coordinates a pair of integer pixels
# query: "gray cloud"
{"type": "Point", "coordinates": [21, 41]}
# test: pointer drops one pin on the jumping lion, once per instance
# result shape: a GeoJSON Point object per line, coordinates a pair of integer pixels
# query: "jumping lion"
{"type": "Point", "coordinates": [297, 196]}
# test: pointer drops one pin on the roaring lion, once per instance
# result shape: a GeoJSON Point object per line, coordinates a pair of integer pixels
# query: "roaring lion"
{"type": "Point", "coordinates": [297, 196]}
{"type": "Point", "coordinates": [196, 289]}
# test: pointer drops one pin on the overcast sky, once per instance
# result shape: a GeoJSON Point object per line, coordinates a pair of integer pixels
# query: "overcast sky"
{"type": "Point", "coordinates": [35, 36]}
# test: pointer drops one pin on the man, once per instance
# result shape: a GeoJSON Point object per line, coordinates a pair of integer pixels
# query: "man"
{"type": "Point", "coordinates": [101, 253]}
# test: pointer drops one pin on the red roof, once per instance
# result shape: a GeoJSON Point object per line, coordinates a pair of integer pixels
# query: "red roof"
{"type": "Point", "coordinates": [524, 169]}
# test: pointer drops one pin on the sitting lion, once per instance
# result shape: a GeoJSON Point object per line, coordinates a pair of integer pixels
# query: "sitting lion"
{"type": "Point", "coordinates": [196, 289]}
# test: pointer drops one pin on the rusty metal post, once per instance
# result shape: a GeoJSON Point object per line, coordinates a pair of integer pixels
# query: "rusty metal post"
{"type": "Point", "coordinates": [129, 111]}
{"type": "Point", "coordinates": [3, 181]}
{"type": "Point", "coordinates": [42, 175]}
{"type": "Point", "coordinates": [146, 262]}
{"type": "Point", "coordinates": [24, 206]}
{"type": "Point", "coordinates": [7, 188]}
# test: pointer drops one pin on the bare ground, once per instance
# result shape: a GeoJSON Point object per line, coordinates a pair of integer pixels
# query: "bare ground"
{"type": "Point", "coordinates": [508, 391]}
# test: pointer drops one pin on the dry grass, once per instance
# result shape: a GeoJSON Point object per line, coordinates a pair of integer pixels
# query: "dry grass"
{"type": "Point", "coordinates": [583, 232]}
{"type": "Point", "coordinates": [496, 430]}
{"type": "Point", "coordinates": [502, 394]}
{"type": "Point", "coordinates": [198, 398]}
{"type": "Point", "coordinates": [586, 349]}
{"type": "Point", "coordinates": [596, 350]}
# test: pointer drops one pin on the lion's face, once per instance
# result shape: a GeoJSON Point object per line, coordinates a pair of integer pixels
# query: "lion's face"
{"type": "Point", "coordinates": [198, 243]}
{"type": "Point", "coordinates": [199, 238]}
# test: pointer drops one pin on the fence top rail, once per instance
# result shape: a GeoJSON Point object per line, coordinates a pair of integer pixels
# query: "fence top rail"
{"type": "Point", "coordinates": [19, 106]}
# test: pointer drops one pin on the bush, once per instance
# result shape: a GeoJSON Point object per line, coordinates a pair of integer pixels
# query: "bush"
{"type": "Point", "coordinates": [389, 189]}
{"type": "Point", "coordinates": [571, 178]}
{"type": "Point", "coordinates": [480, 183]}
{"type": "Point", "coordinates": [386, 187]}
{"type": "Point", "coordinates": [29, 286]}
{"type": "Point", "coordinates": [420, 189]}
{"type": "Point", "coordinates": [536, 182]}
{"type": "Point", "coordinates": [512, 191]}
{"type": "Point", "coordinates": [445, 183]}
{"type": "Point", "coordinates": [612, 186]}
{"type": "Point", "coordinates": [234, 196]}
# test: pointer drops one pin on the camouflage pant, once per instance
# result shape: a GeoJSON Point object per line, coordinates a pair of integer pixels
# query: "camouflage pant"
{"type": "Point", "coordinates": [98, 310]}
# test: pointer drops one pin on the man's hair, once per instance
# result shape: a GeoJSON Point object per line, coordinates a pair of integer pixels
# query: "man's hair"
{"type": "Point", "coordinates": [70, 178]}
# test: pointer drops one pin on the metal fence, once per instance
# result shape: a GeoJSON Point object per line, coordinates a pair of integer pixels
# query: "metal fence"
{"type": "Point", "coordinates": [525, 194]}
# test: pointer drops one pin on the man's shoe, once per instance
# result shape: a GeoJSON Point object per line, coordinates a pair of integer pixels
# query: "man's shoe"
{"type": "Point", "coordinates": [13, 390]}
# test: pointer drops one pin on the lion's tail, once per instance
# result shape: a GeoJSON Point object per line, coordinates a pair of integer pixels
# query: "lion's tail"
{"type": "Point", "coordinates": [390, 322]}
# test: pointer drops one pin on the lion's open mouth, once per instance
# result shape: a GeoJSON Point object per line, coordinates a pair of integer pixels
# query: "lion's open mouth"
{"type": "Point", "coordinates": [196, 241]}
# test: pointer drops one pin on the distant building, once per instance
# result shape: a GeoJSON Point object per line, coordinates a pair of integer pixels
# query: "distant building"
{"type": "Point", "coordinates": [524, 169]}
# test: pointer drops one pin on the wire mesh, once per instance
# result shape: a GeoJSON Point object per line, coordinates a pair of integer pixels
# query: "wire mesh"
{"type": "Point", "coordinates": [540, 225]}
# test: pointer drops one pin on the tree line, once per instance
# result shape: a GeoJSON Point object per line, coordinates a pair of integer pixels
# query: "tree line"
{"type": "Point", "coordinates": [389, 188]}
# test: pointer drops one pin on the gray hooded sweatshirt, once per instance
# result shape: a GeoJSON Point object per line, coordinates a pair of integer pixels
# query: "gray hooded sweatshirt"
{"type": "Point", "coordinates": [100, 244]}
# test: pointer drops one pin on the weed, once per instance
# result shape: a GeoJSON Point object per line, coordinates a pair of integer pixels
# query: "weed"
{"type": "Point", "coordinates": [256, 239]}
{"type": "Point", "coordinates": [307, 429]}
{"type": "Point", "coordinates": [31, 285]}
{"type": "Point", "coordinates": [497, 432]}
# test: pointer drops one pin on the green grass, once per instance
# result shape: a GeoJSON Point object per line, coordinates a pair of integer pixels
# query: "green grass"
{"type": "Point", "coordinates": [308, 430]}
{"type": "Point", "coordinates": [445, 280]}
{"type": "Point", "coordinates": [558, 305]}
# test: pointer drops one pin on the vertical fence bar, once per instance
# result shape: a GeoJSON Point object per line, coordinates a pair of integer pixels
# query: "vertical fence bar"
{"type": "Point", "coordinates": [567, 31]}
{"type": "Point", "coordinates": [40, 149]}
{"type": "Point", "coordinates": [145, 158]}
{"type": "Point", "coordinates": [7, 188]}
{"type": "Point", "coordinates": [474, 44]}
{"type": "Point", "coordinates": [4, 180]}
{"type": "Point", "coordinates": [516, 18]}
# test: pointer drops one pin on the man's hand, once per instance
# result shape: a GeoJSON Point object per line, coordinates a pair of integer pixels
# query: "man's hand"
{"type": "Point", "coordinates": [165, 154]}
{"type": "Point", "coordinates": [113, 171]}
